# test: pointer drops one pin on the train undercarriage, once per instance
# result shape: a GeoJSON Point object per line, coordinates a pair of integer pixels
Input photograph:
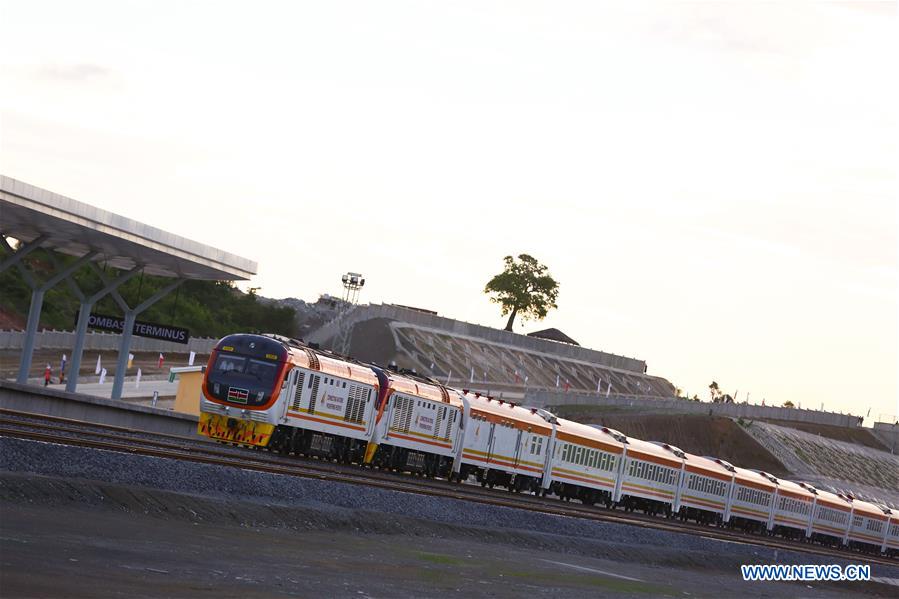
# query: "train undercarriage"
{"type": "Point", "coordinates": [316, 444]}
{"type": "Point", "coordinates": [585, 495]}
{"type": "Point", "coordinates": [491, 477]}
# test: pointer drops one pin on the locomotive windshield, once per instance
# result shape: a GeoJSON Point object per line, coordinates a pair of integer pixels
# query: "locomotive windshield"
{"type": "Point", "coordinates": [245, 370]}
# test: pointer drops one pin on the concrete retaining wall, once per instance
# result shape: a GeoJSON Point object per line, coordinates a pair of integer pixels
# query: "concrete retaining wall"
{"type": "Point", "coordinates": [542, 399]}
{"type": "Point", "coordinates": [37, 400]}
{"type": "Point", "coordinates": [467, 329]}
{"type": "Point", "coordinates": [103, 341]}
{"type": "Point", "coordinates": [888, 434]}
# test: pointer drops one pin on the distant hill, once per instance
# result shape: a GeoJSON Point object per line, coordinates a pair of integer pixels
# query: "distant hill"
{"type": "Point", "coordinates": [309, 316]}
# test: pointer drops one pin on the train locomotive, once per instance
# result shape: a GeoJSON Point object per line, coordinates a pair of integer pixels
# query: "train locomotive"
{"type": "Point", "coordinates": [271, 392]}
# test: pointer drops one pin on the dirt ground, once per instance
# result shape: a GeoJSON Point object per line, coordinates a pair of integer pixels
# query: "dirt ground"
{"type": "Point", "coordinates": [75, 538]}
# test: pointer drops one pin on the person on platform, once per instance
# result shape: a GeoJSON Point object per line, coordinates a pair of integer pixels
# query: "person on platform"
{"type": "Point", "coordinates": [47, 374]}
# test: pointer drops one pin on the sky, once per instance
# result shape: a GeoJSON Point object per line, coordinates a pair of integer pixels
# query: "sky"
{"type": "Point", "coordinates": [713, 183]}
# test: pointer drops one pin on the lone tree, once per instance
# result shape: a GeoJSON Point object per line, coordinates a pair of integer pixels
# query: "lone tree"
{"type": "Point", "coordinates": [523, 287]}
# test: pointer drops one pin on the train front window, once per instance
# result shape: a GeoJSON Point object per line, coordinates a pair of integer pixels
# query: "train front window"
{"type": "Point", "coordinates": [226, 363]}
{"type": "Point", "coordinates": [263, 372]}
{"type": "Point", "coordinates": [242, 379]}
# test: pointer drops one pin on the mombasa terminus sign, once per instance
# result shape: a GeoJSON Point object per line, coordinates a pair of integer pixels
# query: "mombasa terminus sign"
{"type": "Point", "coordinates": [141, 328]}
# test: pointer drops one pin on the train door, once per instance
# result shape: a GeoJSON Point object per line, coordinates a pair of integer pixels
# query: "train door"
{"type": "Point", "coordinates": [520, 440]}
{"type": "Point", "coordinates": [491, 441]}
{"type": "Point", "coordinates": [293, 393]}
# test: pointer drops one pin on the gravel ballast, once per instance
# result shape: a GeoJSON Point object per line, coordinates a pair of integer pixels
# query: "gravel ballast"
{"type": "Point", "coordinates": [357, 503]}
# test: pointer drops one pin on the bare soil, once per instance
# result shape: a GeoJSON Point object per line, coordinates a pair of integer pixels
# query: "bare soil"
{"type": "Point", "coordinates": [77, 538]}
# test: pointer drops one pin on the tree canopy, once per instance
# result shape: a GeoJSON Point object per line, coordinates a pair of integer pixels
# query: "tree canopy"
{"type": "Point", "coordinates": [524, 287]}
{"type": "Point", "coordinates": [206, 308]}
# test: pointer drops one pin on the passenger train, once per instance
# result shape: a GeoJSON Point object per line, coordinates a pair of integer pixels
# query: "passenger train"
{"type": "Point", "coordinates": [273, 392]}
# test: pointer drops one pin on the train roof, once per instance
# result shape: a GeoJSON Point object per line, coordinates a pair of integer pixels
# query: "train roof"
{"type": "Point", "coordinates": [700, 464]}
{"type": "Point", "coordinates": [828, 498]}
{"type": "Point", "coordinates": [601, 438]}
{"type": "Point", "coordinates": [336, 366]}
{"type": "Point", "coordinates": [870, 509]}
{"type": "Point", "coordinates": [522, 417]}
{"type": "Point", "coordinates": [654, 450]}
{"type": "Point", "coordinates": [794, 488]}
{"type": "Point", "coordinates": [419, 388]}
{"type": "Point", "coordinates": [752, 478]}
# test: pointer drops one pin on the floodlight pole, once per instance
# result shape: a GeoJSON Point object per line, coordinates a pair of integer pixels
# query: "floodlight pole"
{"type": "Point", "coordinates": [352, 283]}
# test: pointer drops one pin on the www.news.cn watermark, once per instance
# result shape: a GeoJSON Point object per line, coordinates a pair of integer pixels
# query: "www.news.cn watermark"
{"type": "Point", "coordinates": [805, 573]}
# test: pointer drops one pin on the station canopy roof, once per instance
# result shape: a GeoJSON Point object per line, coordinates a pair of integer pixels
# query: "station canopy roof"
{"type": "Point", "coordinates": [73, 228]}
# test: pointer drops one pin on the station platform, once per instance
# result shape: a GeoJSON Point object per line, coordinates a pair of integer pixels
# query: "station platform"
{"type": "Point", "coordinates": [37, 399]}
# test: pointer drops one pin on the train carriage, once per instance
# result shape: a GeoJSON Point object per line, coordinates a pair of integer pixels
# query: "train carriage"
{"type": "Point", "coordinates": [868, 527]}
{"type": "Point", "coordinates": [830, 522]}
{"type": "Point", "coordinates": [650, 476]}
{"type": "Point", "coordinates": [585, 463]}
{"type": "Point", "coordinates": [505, 444]}
{"type": "Point", "coordinates": [418, 426]}
{"type": "Point", "coordinates": [891, 539]}
{"type": "Point", "coordinates": [328, 408]}
{"type": "Point", "coordinates": [791, 514]}
{"type": "Point", "coordinates": [751, 500]}
{"type": "Point", "coordinates": [704, 490]}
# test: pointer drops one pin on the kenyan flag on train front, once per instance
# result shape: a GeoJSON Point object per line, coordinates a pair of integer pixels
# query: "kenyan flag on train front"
{"type": "Point", "coordinates": [238, 395]}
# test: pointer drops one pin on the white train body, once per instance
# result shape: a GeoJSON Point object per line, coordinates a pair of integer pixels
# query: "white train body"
{"type": "Point", "coordinates": [706, 486]}
{"type": "Point", "coordinates": [650, 472]}
{"type": "Point", "coordinates": [792, 508]}
{"type": "Point", "coordinates": [420, 418]}
{"type": "Point", "coordinates": [585, 463]}
{"type": "Point", "coordinates": [505, 443]}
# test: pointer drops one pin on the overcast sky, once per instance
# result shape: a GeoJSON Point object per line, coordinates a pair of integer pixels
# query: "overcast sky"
{"type": "Point", "coordinates": [713, 183]}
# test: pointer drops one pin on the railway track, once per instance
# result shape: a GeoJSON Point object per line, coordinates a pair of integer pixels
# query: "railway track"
{"type": "Point", "coordinates": [50, 429]}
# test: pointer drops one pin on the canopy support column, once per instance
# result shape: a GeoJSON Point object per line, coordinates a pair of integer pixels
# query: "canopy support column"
{"type": "Point", "coordinates": [125, 346]}
{"type": "Point", "coordinates": [37, 303]}
{"type": "Point", "coordinates": [87, 304]}
{"type": "Point", "coordinates": [15, 257]}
